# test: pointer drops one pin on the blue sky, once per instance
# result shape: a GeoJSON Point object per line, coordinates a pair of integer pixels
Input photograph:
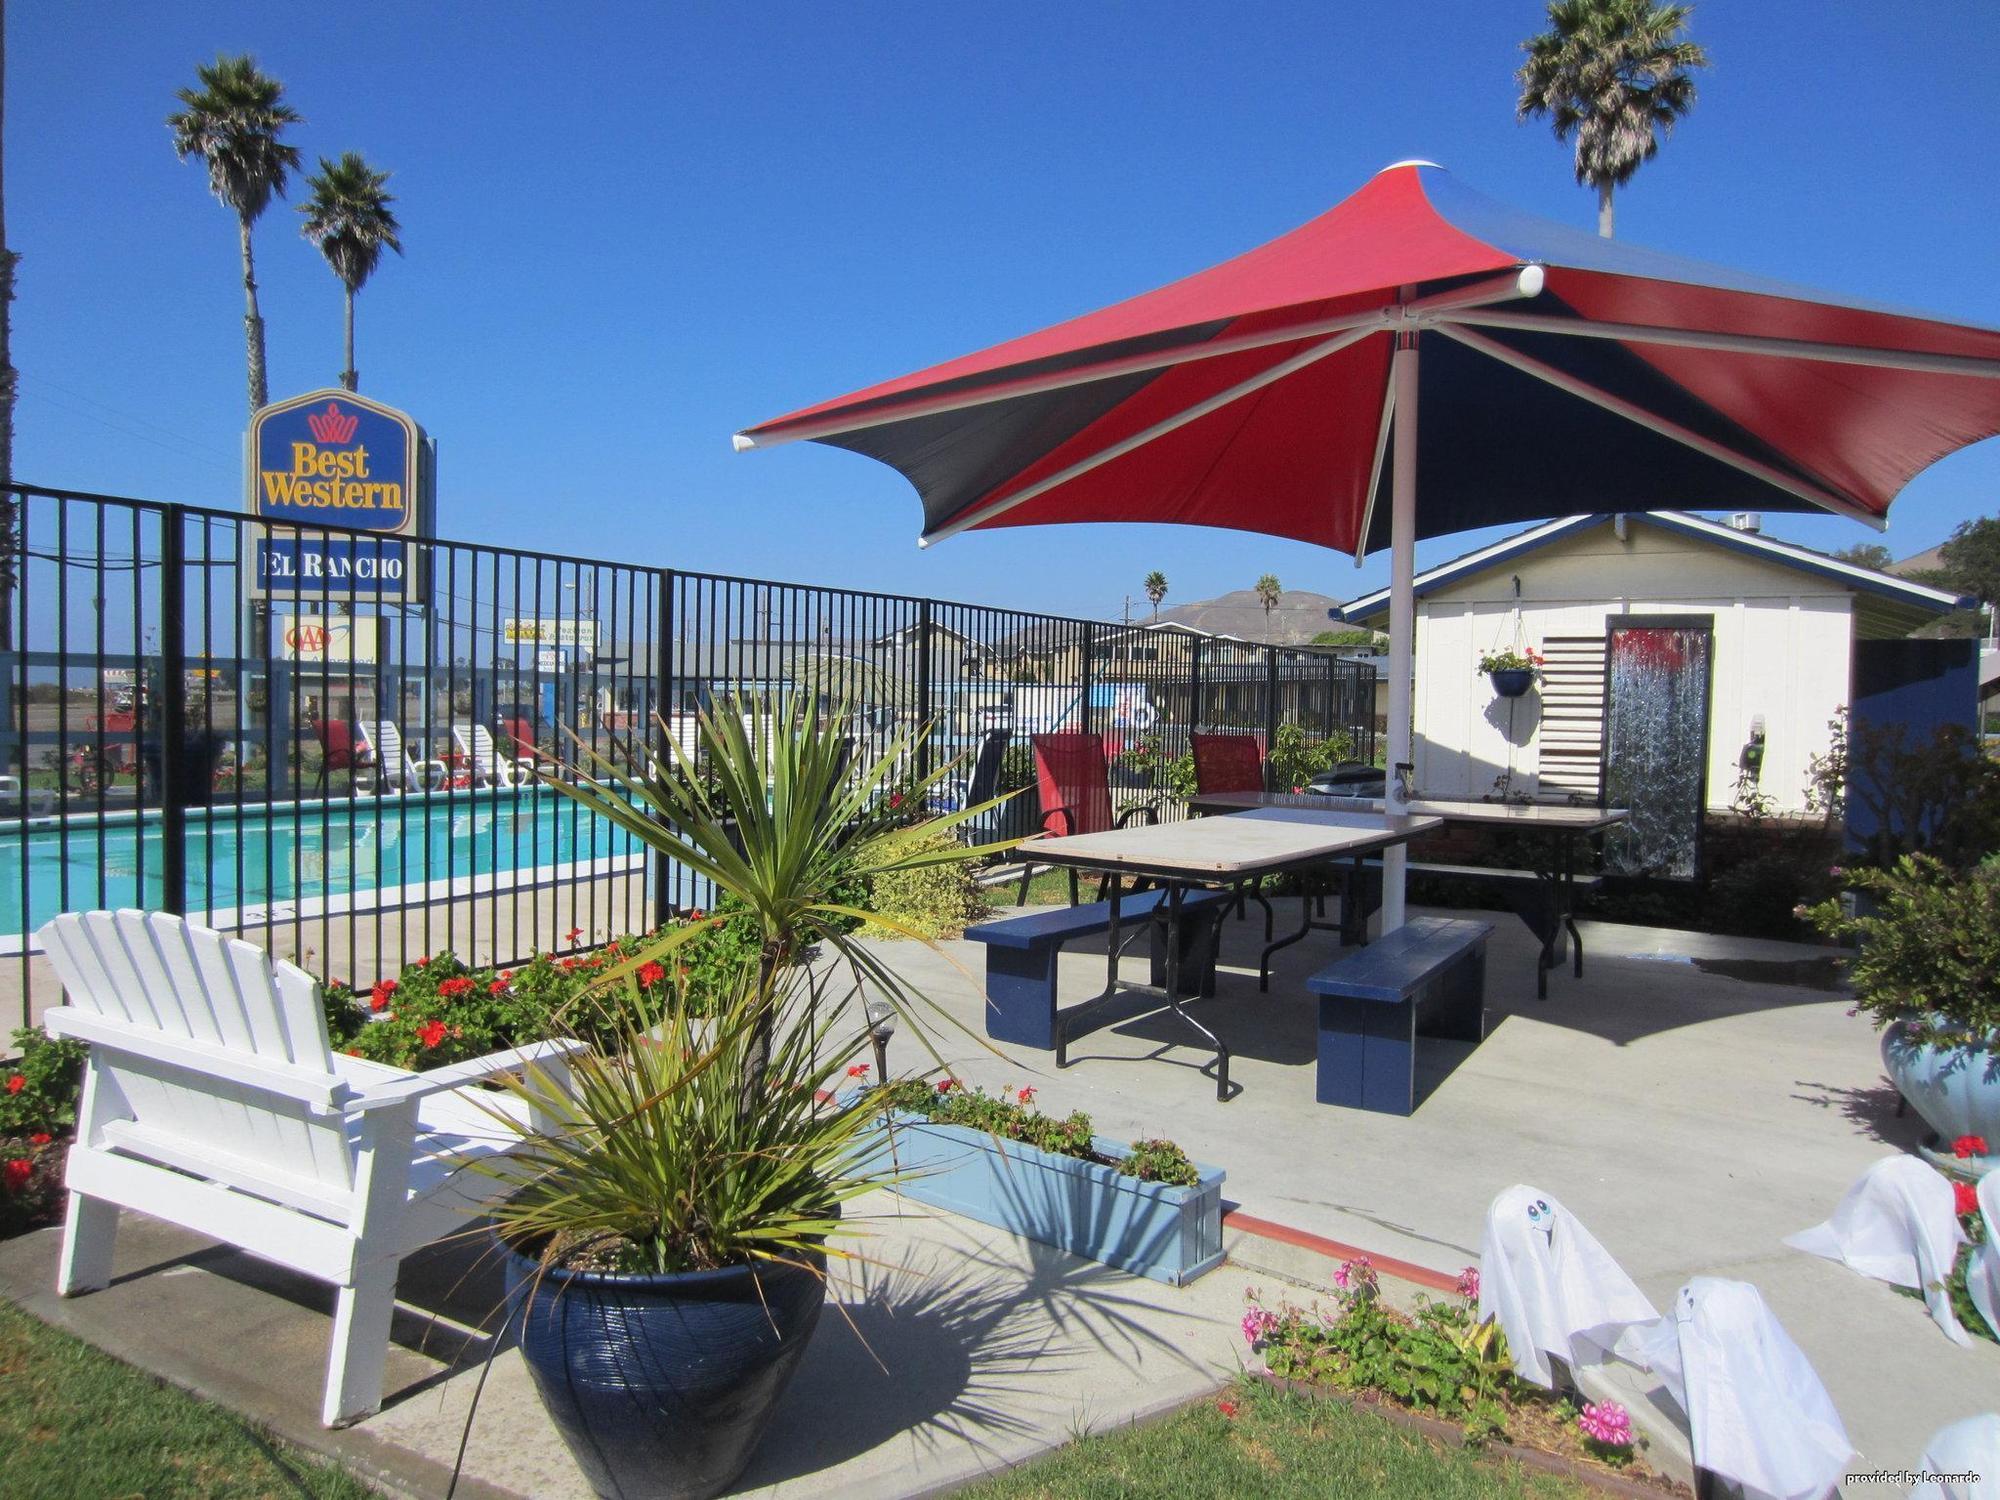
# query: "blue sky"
{"type": "Point", "coordinates": [633, 229]}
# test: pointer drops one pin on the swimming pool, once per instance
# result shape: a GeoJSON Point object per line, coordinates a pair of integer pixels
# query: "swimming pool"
{"type": "Point", "coordinates": [309, 858]}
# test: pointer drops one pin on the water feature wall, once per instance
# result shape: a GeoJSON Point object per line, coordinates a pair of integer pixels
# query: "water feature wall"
{"type": "Point", "coordinates": [1656, 746]}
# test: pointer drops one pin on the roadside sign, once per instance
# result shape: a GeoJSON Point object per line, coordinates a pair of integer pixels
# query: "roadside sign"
{"type": "Point", "coordinates": [333, 639]}
{"type": "Point", "coordinates": [578, 633]}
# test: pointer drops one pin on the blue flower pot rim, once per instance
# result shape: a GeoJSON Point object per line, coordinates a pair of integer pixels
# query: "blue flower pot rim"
{"type": "Point", "coordinates": [663, 1281]}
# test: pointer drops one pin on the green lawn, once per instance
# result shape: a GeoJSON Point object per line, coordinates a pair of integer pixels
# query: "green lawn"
{"type": "Point", "coordinates": [76, 1422]}
{"type": "Point", "coordinates": [1276, 1446]}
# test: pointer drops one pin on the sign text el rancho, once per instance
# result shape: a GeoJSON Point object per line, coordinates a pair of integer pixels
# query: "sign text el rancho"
{"type": "Point", "coordinates": [337, 460]}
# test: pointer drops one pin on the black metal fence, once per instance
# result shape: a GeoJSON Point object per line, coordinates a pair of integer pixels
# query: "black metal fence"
{"type": "Point", "coordinates": [324, 740]}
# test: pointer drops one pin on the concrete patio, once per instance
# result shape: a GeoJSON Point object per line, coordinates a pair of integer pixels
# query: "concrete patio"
{"type": "Point", "coordinates": [1692, 1099]}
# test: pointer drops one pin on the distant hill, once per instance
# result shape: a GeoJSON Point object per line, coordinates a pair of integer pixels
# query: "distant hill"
{"type": "Point", "coordinates": [1299, 617]}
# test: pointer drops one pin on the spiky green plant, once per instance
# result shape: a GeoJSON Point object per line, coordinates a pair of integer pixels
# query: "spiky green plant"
{"type": "Point", "coordinates": [1615, 74]}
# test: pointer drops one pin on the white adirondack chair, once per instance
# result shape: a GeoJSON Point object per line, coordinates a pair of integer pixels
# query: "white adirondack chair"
{"type": "Point", "coordinates": [395, 771]}
{"type": "Point", "coordinates": [489, 767]}
{"type": "Point", "coordinates": [213, 1101]}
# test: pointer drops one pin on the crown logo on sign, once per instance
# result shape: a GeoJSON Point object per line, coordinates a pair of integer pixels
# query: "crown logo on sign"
{"type": "Point", "coordinates": [333, 425]}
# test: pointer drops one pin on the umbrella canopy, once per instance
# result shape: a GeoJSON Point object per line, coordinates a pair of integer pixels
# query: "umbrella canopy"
{"type": "Point", "coordinates": [1279, 392]}
{"type": "Point", "coordinates": [1256, 394]}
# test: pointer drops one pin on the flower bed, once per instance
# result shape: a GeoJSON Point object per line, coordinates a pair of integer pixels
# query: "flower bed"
{"type": "Point", "coordinates": [1442, 1366]}
{"type": "Point", "coordinates": [1143, 1208]}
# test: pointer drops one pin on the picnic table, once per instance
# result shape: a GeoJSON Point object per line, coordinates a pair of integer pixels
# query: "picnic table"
{"type": "Point", "coordinates": [1209, 852]}
{"type": "Point", "coordinates": [1546, 893]}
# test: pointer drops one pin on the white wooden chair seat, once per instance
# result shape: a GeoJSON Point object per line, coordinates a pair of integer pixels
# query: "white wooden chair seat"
{"type": "Point", "coordinates": [211, 1100]}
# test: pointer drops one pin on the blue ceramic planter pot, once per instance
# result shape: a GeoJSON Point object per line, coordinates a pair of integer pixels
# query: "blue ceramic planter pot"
{"type": "Point", "coordinates": [663, 1385]}
{"type": "Point", "coordinates": [1955, 1089]}
{"type": "Point", "coordinates": [1512, 682]}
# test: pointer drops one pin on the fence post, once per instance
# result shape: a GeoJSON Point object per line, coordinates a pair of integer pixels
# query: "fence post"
{"type": "Point", "coordinates": [173, 728]}
{"type": "Point", "coordinates": [1270, 699]}
{"type": "Point", "coordinates": [663, 753]}
{"type": "Point", "coordinates": [924, 709]}
{"type": "Point", "coordinates": [1083, 674]}
{"type": "Point", "coordinates": [1194, 687]}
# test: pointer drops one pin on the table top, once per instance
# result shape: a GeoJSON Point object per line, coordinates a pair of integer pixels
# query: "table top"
{"type": "Point", "coordinates": [1548, 816]}
{"type": "Point", "coordinates": [1260, 841]}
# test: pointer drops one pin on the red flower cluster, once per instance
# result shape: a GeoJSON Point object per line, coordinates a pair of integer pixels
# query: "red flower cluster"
{"type": "Point", "coordinates": [40, 1138]}
{"type": "Point", "coordinates": [1026, 1095]}
{"type": "Point", "coordinates": [452, 989]}
{"type": "Point", "coordinates": [16, 1082]}
{"type": "Point", "coordinates": [498, 986]}
{"type": "Point", "coordinates": [14, 1175]}
{"type": "Point", "coordinates": [1227, 1408]}
{"type": "Point", "coordinates": [573, 934]}
{"type": "Point", "coordinates": [857, 1070]}
{"type": "Point", "coordinates": [946, 1085]}
{"type": "Point", "coordinates": [378, 997]}
{"type": "Point", "coordinates": [651, 973]}
{"type": "Point", "coordinates": [1965, 1198]}
{"type": "Point", "coordinates": [1968, 1146]}
{"type": "Point", "coordinates": [431, 1033]}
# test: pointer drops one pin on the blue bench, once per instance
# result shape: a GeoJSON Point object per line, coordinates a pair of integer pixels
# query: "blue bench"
{"type": "Point", "coordinates": [1427, 977]}
{"type": "Point", "coordinates": [1021, 956]}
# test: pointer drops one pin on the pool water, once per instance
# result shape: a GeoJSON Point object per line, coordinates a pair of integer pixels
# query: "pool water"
{"type": "Point", "coordinates": [337, 852]}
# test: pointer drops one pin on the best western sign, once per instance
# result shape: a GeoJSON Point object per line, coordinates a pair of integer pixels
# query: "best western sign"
{"type": "Point", "coordinates": [335, 459]}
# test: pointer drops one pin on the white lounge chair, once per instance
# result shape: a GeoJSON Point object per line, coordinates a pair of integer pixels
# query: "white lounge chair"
{"type": "Point", "coordinates": [212, 1100]}
{"type": "Point", "coordinates": [40, 803]}
{"type": "Point", "coordinates": [395, 771]}
{"type": "Point", "coordinates": [477, 748]}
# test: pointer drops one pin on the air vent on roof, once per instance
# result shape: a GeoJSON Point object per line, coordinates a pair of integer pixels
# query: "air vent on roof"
{"type": "Point", "coordinates": [1746, 520]}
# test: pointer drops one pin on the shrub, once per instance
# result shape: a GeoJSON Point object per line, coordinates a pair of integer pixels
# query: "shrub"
{"type": "Point", "coordinates": [1929, 952]}
{"type": "Point", "coordinates": [31, 1181]}
{"type": "Point", "coordinates": [1295, 756]}
{"type": "Point", "coordinates": [38, 1091]}
{"type": "Point", "coordinates": [1940, 795]}
{"type": "Point", "coordinates": [928, 901]}
{"type": "Point", "coordinates": [1760, 896]}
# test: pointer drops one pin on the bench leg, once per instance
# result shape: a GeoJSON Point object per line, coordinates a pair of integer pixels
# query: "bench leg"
{"type": "Point", "coordinates": [1021, 995]}
{"type": "Point", "coordinates": [1367, 1055]}
{"type": "Point", "coordinates": [1457, 1008]}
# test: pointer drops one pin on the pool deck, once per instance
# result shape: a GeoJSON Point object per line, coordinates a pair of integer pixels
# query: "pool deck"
{"type": "Point", "coordinates": [1692, 1099]}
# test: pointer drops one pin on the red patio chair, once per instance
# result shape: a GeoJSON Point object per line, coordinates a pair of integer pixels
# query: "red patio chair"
{"type": "Point", "coordinates": [1233, 763]}
{"type": "Point", "coordinates": [1228, 763]}
{"type": "Point", "coordinates": [337, 750]}
{"type": "Point", "coordinates": [1074, 780]}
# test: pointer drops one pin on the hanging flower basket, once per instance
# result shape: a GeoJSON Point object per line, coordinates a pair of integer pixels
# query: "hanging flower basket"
{"type": "Point", "coordinates": [1513, 671]}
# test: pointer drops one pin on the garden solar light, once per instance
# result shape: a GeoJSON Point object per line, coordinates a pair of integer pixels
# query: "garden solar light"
{"type": "Point", "coordinates": [881, 1026]}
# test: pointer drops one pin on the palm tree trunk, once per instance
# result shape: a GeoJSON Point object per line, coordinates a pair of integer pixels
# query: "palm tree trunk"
{"type": "Point", "coordinates": [350, 377]}
{"type": "Point", "coordinates": [1604, 209]}
{"type": "Point", "coordinates": [253, 323]}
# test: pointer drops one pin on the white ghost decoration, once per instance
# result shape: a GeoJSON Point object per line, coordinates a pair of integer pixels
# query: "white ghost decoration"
{"type": "Point", "coordinates": [1757, 1414]}
{"type": "Point", "coordinates": [1898, 1223]}
{"type": "Point", "coordinates": [1982, 1276]}
{"type": "Point", "coordinates": [1968, 1447]}
{"type": "Point", "coordinates": [1553, 1288]}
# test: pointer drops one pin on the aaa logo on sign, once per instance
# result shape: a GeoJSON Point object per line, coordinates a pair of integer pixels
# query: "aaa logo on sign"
{"type": "Point", "coordinates": [333, 458]}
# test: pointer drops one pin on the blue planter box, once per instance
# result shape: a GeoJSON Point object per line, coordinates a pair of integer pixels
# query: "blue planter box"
{"type": "Point", "coordinates": [1171, 1234]}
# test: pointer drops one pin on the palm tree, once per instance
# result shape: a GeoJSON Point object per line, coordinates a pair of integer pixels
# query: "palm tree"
{"type": "Point", "coordinates": [1156, 590]}
{"type": "Point", "coordinates": [1614, 74]}
{"type": "Point", "coordinates": [233, 123]}
{"type": "Point", "coordinates": [349, 218]}
{"type": "Point", "coordinates": [1268, 590]}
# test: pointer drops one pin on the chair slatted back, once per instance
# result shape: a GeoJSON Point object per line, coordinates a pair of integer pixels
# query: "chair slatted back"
{"type": "Point", "coordinates": [392, 759]}
{"type": "Point", "coordinates": [476, 740]}
{"type": "Point", "coordinates": [163, 979]}
{"type": "Point", "coordinates": [986, 769]}
{"type": "Point", "coordinates": [1228, 763]}
{"type": "Point", "coordinates": [1074, 781]}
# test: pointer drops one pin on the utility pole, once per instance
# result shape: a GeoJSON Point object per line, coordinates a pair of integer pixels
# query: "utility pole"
{"type": "Point", "coordinates": [1128, 611]}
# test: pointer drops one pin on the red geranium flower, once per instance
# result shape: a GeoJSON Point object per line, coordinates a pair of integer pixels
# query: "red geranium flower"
{"type": "Point", "coordinates": [651, 974]}
{"type": "Point", "coordinates": [573, 934]}
{"type": "Point", "coordinates": [497, 987]}
{"type": "Point", "coordinates": [378, 997]}
{"type": "Point", "coordinates": [946, 1085]}
{"type": "Point", "coordinates": [40, 1138]}
{"type": "Point", "coordinates": [431, 1033]}
{"type": "Point", "coordinates": [16, 1082]}
{"type": "Point", "coordinates": [15, 1174]}
{"type": "Point", "coordinates": [1965, 1197]}
{"type": "Point", "coordinates": [1967, 1146]}
{"type": "Point", "coordinates": [451, 989]}
{"type": "Point", "coordinates": [1026, 1096]}
{"type": "Point", "coordinates": [696, 915]}
{"type": "Point", "coordinates": [857, 1070]}
{"type": "Point", "coordinates": [1227, 1408]}
{"type": "Point", "coordinates": [895, 801]}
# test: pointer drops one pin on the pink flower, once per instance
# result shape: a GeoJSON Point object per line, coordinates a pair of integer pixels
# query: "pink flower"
{"type": "Point", "coordinates": [1468, 1283]}
{"type": "Point", "coordinates": [1968, 1146]}
{"type": "Point", "coordinates": [1606, 1422]}
{"type": "Point", "coordinates": [1259, 1323]}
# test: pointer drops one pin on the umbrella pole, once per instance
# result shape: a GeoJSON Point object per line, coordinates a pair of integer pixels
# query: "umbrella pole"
{"type": "Point", "coordinates": [1402, 613]}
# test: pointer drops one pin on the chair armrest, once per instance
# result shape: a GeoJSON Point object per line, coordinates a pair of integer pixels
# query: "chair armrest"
{"type": "Point", "coordinates": [1150, 809]}
{"type": "Point", "coordinates": [474, 1070]}
{"type": "Point", "coordinates": [1067, 814]}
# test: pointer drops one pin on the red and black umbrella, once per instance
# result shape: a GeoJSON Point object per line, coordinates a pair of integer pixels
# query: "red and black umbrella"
{"type": "Point", "coordinates": [1561, 372]}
